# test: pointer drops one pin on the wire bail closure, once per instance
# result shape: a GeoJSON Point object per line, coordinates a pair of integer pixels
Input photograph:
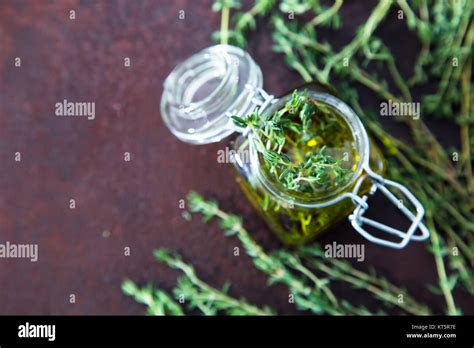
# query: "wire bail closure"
{"type": "Point", "coordinates": [261, 98]}
{"type": "Point", "coordinates": [358, 220]}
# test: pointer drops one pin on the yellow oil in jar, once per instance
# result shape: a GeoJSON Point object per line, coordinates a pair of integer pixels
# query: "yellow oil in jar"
{"type": "Point", "coordinates": [294, 224]}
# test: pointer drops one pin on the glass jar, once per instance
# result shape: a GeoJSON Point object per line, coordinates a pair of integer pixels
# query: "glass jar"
{"type": "Point", "coordinates": [200, 96]}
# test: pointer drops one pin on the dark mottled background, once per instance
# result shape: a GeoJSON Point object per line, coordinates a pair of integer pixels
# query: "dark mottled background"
{"type": "Point", "coordinates": [137, 201]}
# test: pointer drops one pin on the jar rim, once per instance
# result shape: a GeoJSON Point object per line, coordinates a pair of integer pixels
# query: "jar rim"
{"type": "Point", "coordinates": [362, 147]}
{"type": "Point", "coordinates": [226, 76]}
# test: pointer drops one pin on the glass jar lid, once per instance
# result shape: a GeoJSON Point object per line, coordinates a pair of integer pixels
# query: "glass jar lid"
{"type": "Point", "coordinates": [201, 93]}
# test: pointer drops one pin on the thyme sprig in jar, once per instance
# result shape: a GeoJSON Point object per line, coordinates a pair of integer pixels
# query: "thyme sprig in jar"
{"type": "Point", "coordinates": [293, 147]}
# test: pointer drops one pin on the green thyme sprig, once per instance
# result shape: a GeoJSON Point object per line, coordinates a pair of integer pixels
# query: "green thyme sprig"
{"type": "Point", "coordinates": [287, 267]}
{"type": "Point", "coordinates": [314, 169]}
{"type": "Point", "coordinates": [243, 22]}
{"type": "Point", "coordinates": [202, 296]}
{"type": "Point", "coordinates": [224, 6]}
{"type": "Point", "coordinates": [191, 293]}
{"type": "Point", "coordinates": [381, 288]}
{"type": "Point", "coordinates": [158, 302]}
{"type": "Point", "coordinates": [314, 296]}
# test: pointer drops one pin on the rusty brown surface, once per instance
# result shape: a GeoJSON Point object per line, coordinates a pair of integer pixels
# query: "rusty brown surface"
{"type": "Point", "coordinates": [137, 201]}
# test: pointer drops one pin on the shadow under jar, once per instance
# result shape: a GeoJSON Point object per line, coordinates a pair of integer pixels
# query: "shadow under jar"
{"type": "Point", "coordinates": [203, 93]}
